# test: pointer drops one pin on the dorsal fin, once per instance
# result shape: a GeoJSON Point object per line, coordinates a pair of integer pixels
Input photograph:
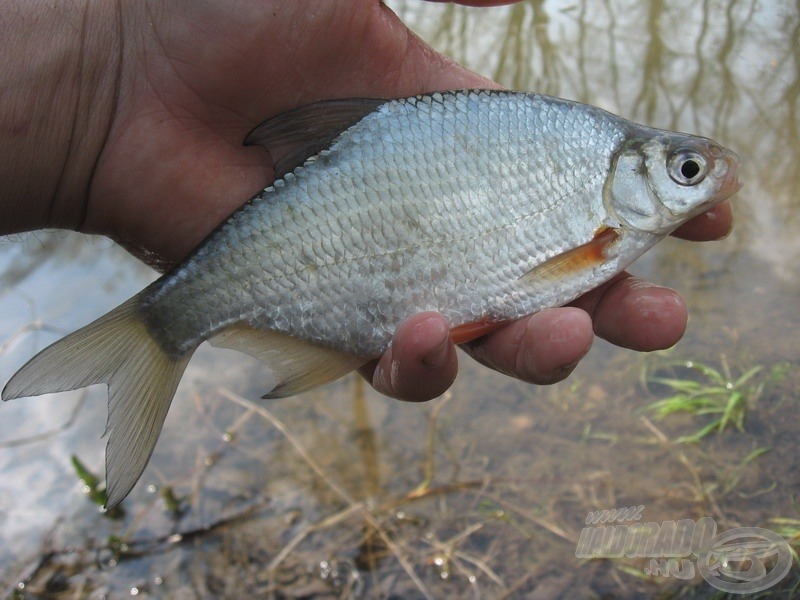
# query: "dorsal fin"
{"type": "Point", "coordinates": [295, 135]}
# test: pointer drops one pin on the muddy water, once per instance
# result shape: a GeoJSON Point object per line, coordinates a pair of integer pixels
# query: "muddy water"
{"type": "Point", "coordinates": [484, 493]}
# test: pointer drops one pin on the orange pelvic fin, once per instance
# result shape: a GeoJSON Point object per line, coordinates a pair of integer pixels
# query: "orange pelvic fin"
{"type": "Point", "coordinates": [577, 259]}
{"type": "Point", "coordinates": [466, 332]}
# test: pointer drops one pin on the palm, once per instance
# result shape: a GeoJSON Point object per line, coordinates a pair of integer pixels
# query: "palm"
{"type": "Point", "coordinates": [174, 165]}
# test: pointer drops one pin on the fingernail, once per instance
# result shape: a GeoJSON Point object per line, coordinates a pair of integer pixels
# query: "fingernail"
{"type": "Point", "coordinates": [394, 369]}
{"type": "Point", "coordinates": [554, 376]}
{"type": "Point", "coordinates": [564, 371]}
{"type": "Point", "coordinates": [437, 357]}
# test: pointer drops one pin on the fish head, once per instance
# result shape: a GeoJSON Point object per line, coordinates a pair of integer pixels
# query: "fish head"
{"type": "Point", "coordinates": [659, 180]}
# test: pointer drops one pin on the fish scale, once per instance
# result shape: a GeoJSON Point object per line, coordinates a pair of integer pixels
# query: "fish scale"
{"type": "Point", "coordinates": [462, 198]}
{"type": "Point", "coordinates": [485, 206]}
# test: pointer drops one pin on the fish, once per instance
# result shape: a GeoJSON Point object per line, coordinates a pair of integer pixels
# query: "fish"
{"type": "Point", "coordinates": [483, 205]}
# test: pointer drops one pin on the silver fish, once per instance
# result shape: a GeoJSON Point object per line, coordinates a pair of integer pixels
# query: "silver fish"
{"type": "Point", "coordinates": [485, 206]}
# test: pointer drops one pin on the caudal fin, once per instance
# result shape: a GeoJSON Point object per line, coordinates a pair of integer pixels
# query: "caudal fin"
{"type": "Point", "coordinates": [116, 349]}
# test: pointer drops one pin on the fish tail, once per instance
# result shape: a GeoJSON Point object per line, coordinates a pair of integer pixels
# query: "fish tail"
{"type": "Point", "coordinates": [116, 349]}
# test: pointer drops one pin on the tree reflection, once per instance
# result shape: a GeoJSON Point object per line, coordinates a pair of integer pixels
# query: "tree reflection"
{"type": "Point", "coordinates": [727, 70]}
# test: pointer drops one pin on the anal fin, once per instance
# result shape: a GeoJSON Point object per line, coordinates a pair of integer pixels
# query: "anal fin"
{"type": "Point", "coordinates": [466, 332]}
{"type": "Point", "coordinates": [298, 366]}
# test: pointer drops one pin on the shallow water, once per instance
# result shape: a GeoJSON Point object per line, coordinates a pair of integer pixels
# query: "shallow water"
{"type": "Point", "coordinates": [483, 493]}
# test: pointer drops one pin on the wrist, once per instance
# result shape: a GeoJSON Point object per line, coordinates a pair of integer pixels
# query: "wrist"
{"type": "Point", "coordinates": [56, 106]}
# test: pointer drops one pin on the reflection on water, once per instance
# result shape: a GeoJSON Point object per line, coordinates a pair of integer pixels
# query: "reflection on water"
{"type": "Point", "coordinates": [727, 70]}
{"type": "Point", "coordinates": [485, 492]}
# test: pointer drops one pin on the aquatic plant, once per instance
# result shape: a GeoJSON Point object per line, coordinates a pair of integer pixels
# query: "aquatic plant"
{"type": "Point", "coordinates": [704, 390]}
{"type": "Point", "coordinates": [789, 529]}
{"type": "Point", "coordinates": [94, 488]}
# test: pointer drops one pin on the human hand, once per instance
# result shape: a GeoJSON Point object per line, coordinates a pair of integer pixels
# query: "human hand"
{"type": "Point", "coordinates": [544, 348]}
{"type": "Point", "coordinates": [159, 161]}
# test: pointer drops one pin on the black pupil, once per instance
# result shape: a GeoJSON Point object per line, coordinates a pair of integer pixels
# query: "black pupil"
{"type": "Point", "coordinates": [690, 169]}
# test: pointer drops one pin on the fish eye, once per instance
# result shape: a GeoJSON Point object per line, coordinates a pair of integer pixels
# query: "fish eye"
{"type": "Point", "coordinates": [687, 167]}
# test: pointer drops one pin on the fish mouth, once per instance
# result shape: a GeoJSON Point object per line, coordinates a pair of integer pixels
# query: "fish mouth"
{"type": "Point", "coordinates": [730, 182]}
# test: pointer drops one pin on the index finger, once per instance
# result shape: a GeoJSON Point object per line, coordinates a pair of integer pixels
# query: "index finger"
{"type": "Point", "coordinates": [713, 224]}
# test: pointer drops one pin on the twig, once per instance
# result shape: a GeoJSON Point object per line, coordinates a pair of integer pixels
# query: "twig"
{"type": "Point", "coordinates": [448, 548]}
{"type": "Point", "coordinates": [407, 567]}
{"type": "Point", "coordinates": [698, 483]}
{"type": "Point", "coordinates": [335, 487]}
{"type": "Point", "coordinates": [660, 436]}
{"type": "Point", "coordinates": [306, 531]}
{"type": "Point", "coordinates": [681, 456]}
{"type": "Point", "coordinates": [554, 529]}
{"type": "Point", "coordinates": [429, 466]}
{"type": "Point", "coordinates": [280, 426]}
{"type": "Point", "coordinates": [482, 566]}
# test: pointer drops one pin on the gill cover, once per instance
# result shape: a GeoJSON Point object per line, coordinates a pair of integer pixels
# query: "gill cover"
{"type": "Point", "coordinates": [657, 183]}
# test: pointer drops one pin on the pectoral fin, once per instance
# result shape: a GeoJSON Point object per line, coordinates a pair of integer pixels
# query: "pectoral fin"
{"type": "Point", "coordinates": [576, 260]}
{"type": "Point", "coordinates": [297, 365]}
{"type": "Point", "coordinates": [294, 136]}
